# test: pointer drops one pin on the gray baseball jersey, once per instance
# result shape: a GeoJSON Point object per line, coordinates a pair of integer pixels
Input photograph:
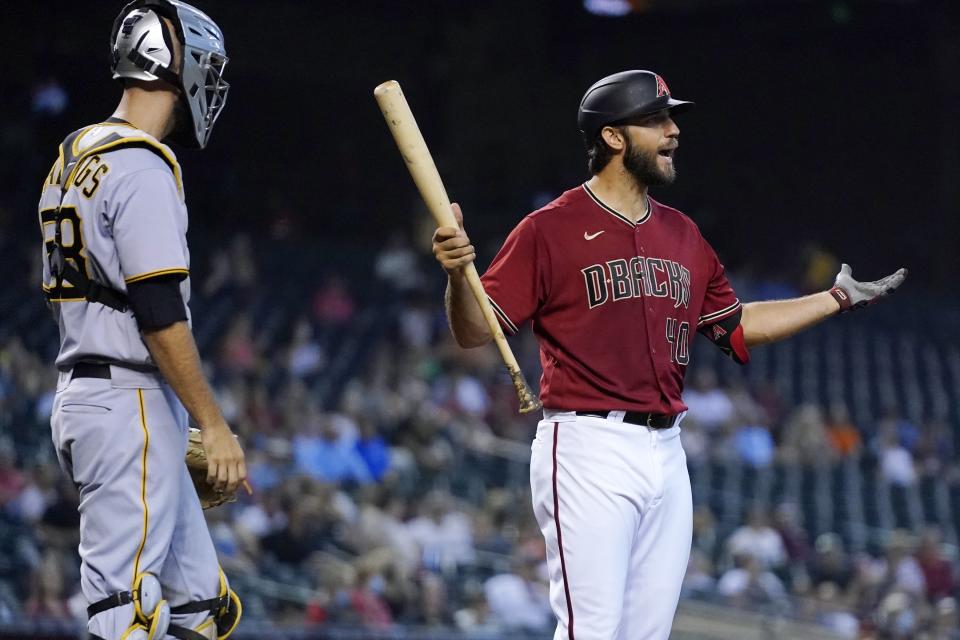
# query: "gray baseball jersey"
{"type": "Point", "coordinates": [123, 220]}
{"type": "Point", "coordinates": [119, 430]}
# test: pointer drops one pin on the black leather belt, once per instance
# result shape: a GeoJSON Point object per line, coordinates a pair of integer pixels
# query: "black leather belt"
{"type": "Point", "coordinates": [652, 420]}
{"type": "Point", "coordinates": [90, 370]}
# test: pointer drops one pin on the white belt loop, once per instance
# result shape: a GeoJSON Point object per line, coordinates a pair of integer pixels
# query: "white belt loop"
{"type": "Point", "coordinates": [616, 416]}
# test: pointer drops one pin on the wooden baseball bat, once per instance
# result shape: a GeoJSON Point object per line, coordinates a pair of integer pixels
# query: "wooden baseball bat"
{"type": "Point", "coordinates": [415, 153]}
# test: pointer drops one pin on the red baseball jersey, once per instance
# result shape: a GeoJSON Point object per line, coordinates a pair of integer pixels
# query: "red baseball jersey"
{"type": "Point", "coordinates": [614, 304]}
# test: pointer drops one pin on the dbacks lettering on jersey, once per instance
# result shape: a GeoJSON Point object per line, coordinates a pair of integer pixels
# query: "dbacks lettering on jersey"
{"type": "Point", "coordinates": [637, 277]}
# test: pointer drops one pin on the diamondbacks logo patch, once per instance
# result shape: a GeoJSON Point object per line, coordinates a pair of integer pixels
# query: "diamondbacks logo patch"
{"type": "Point", "coordinates": [718, 332]}
{"type": "Point", "coordinates": [662, 88]}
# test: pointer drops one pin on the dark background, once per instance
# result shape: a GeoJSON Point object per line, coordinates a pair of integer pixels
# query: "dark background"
{"type": "Point", "coordinates": [827, 123]}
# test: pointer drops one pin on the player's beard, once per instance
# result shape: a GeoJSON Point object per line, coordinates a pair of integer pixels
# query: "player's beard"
{"type": "Point", "coordinates": [182, 122]}
{"type": "Point", "coordinates": [645, 167]}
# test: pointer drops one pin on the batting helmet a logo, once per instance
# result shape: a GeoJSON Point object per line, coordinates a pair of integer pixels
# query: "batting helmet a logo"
{"type": "Point", "coordinates": [662, 88]}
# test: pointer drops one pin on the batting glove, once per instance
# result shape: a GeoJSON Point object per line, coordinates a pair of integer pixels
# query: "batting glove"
{"type": "Point", "coordinates": [855, 295]}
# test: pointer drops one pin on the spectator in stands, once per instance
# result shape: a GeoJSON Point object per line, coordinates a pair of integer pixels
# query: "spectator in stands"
{"type": "Point", "coordinates": [372, 448]}
{"type": "Point", "coordinates": [47, 598]}
{"type": "Point", "coordinates": [232, 270]}
{"type": "Point", "coordinates": [896, 463]}
{"type": "Point", "coordinates": [396, 264]}
{"type": "Point", "coordinates": [433, 609]}
{"type": "Point", "coordinates": [489, 521]}
{"type": "Point", "coordinates": [60, 523]}
{"type": "Point", "coordinates": [843, 436]}
{"type": "Point", "coordinates": [786, 521]}
{"type": "Point", "coordinates": [466, 394]}
{"type": "Point", "coordinates": [937, 570]}
{"type": "Point", "coordinates": [748, 584]}
{"type": "Point", "coordinates": [380, 525]}
{"type": "Point", "coordinates": [243, 265]}
{"type": "Point", "coordinates": [38, 492]}
{"type": "Point", "coordinates": [833, 612]}
{"type": "Point", "coordinates": [423, 434]}
{"type": "Point", "coordinates": [830, 564]}
{"type": "Point", "coordinates": [269, 463]}
{"type": "Point", "coordinates": [417, 323]}
{"type": "Point", "coordinates": [218, 273]}
{"type": "Point", "coordinates": [897, 616]}
{"type": "Point", "coordinates": [443, 533]}
{"type": "Point", "coordinates": [803, 438]}
{"type": "Point", "coordinates": [235, 550]}
{"type": "Point", "coordinates": [696, 443]}
{"type": "Point", "coordinates": [518, 600]}
{"type": "Point", "coordinates": [699, 580]}
{"type": "Point", "coordinates": [313, 524]}
{"type": "Point", "coordinates": [707, 403]}
{"type": "Point", "coordinates": [753, 442]}
{"type": "Point", "coordinates": [326, 452]}
{"type": "Point", "coordinates": [305, 357]}
{"type": "Point", "coordinates": [475, 616]}
{"type": "Point", "coordinates": [705, 535]}
{"type": "Point", "coordinates": [902, 571]}
{"type": "Point", "coordinates": [757, 539]}
{"type": "Point", "coordinates": [946, 620]}
{"type": "Point", "coordinates": [366, 602]}
{"type": "Point", "coordinates": [935, 454]}
{"type": "Point", "coordinates": [333, 304]}
{"type": "Point", "coordinates": [263, 516]}
{"type": "Point", "coordinates": [238, 351]}
{"type": "Point", "coordinates": [768, 397]}
{"type": "Point", "coordinates": [906, 431]}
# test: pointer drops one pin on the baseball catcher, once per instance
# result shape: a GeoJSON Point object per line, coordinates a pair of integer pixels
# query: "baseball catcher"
{"type": "Point", "coordinates": [117, 279]}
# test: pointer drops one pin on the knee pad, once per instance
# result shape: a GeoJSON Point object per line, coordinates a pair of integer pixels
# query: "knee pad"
{"type": "Point", "coordinates": [151, 610]}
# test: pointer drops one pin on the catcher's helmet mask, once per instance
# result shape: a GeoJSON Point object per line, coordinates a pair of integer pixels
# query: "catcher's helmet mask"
{"type": "Point", "coordinates": [141, 49]}
{"type": "Point", "coordinates": [623, 96]}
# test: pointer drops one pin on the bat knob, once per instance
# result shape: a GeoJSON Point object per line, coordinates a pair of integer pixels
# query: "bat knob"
{"type": "Point", "coordinates": [528, 400]}
{"type": "Point", "coordinates": [531, 403]}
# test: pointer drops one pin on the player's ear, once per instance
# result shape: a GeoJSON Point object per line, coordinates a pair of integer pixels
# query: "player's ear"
{"type": "Point", "coordinates": [613, 136]}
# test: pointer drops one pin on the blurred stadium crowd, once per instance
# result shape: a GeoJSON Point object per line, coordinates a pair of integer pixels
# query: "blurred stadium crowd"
{"type": "Point", "coordinates": [390, 466]}
{"type": "Point", "coordinates": [396, 492]}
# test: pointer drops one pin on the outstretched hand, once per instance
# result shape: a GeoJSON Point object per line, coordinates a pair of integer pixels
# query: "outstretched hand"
{"type": "Point", "coordinates": [851, 294]}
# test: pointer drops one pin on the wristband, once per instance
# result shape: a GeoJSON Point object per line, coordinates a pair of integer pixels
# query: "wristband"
{"type": "Point", "coordinates": [842, 298]}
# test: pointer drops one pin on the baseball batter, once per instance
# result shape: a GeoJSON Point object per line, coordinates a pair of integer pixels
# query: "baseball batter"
{"type": "Point", "coordinates": [116, 277]}
{"type": "Point", "coordinates": [615, 285]}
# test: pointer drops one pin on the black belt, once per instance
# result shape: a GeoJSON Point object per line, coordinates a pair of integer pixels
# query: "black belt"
{"type": "Point", "coordinates": [90, 370]}
{"type": "Point", "coordinates": [652, 420]}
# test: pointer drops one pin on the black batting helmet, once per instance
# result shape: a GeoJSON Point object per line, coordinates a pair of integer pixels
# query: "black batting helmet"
{"type": "Point", "coordinates": [621, 96]}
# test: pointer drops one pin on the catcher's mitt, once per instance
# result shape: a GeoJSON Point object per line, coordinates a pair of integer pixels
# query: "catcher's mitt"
{"type": "Point", "coordinates": [197, 465]}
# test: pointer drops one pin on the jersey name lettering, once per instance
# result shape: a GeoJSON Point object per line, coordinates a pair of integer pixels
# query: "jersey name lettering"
{"type": "Point", "coordinates": [641, 276]}
{"type": "Point", "coordinates": [87, 175]}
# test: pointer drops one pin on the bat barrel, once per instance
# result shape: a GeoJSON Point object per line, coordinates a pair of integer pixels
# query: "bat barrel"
{"type": "Point", "coordinates": [396, 111]}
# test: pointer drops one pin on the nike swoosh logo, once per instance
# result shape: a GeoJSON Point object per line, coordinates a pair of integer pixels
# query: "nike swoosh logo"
{"type": "Point", "coordinates": [588, 236]}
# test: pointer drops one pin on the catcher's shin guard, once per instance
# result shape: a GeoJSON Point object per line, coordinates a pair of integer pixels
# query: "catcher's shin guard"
{"type": "Point", "coordinates": [225, 609]}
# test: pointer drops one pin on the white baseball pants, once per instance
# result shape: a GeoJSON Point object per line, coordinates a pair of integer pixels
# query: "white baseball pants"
{"type": "Point", "coordinates": [613, 503]}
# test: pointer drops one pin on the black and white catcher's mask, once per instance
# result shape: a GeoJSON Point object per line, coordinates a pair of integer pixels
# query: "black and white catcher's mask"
{"type": "Point", "coordinates": [141, 49]}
